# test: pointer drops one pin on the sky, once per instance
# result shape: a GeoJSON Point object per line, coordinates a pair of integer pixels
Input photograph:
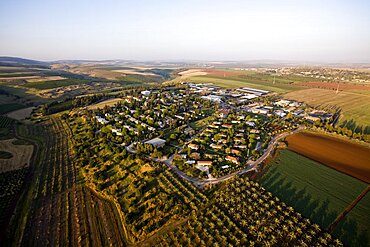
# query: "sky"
{"type": "Point", "coordinates": [315, 30]}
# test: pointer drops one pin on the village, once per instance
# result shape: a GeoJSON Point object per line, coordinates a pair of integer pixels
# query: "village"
{"type": "Point", "coordinates": [204, 130]}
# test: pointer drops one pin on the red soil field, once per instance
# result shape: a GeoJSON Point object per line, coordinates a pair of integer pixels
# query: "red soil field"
{"type": "Point", "coordinates": [344, 156]}
{"type": "Point", "coordinates": [334, 86]}
{"type": "Point", "coordinates": [221, 73]}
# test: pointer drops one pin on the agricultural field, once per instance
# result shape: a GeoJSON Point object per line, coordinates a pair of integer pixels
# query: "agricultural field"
{"type": "Point", "coordinates": [34, 86]}
{"type": "Point", "coordinates": [25, 95]}
{"type": "Point", "coordinates": [123, 73]}
{"type": "Point", "coordinates": [21, 155]}
{"type": "Point", "coordinates": [6, 108]}
{"type": "Point", "coordinates": [57, 209]}
{"type": "Point", "coordinates": [354, 100]}
{"type": "Point", "coordinates": [5, 124]}
{"type": "Point", "coordinates": [11, 183]}
{"type": "Point", "coordinates": [42, 85]}
{"type": "Point", "coordinates": [242, 213]}
{"type": "Point", "coordinates": [20, 114]}
{"type": "Point", "coordinates": [355, 105]}
{"type": "Point", "coordinates": [229, 78]}
{"type": "Point", "coordinates": [335, 86]}
{"type": "Point", "coordinates": [344, 156]}
{"type": "Point", "coordinates": [236, 82]}
{"type": "Point", "coordinates": [105, 103]}
{"type": "Point", "coordinates": [319, 193]}
{"type": "Point", "coordinates": [46, 78]}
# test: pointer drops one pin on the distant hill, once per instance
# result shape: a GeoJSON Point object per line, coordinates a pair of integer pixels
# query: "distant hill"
{"type": "Point", "coordinates": [262, 63]}
{"type": "Point", "coordinates": [16, 62]}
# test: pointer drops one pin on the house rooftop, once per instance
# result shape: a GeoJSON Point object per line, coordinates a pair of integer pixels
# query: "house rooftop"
{"type": "Point", "coordinates": [156, 142]}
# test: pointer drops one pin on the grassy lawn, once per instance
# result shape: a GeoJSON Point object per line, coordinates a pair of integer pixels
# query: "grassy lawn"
{"type": "Point", "coordinates": [236, 82]}
{"type": "Point", "coordinates": [319, 193]}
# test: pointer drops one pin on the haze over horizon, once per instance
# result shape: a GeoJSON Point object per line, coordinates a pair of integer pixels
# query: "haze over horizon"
{"type": "Point", "coordinates": [321, 31]}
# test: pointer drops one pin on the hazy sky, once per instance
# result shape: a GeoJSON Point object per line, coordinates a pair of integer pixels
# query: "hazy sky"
{"type": "Point", "coordinates": [315, 30]}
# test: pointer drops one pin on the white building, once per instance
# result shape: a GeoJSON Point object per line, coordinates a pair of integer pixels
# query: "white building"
{"type": "Point", "coordinates": [156, 142]}
{"type": "Point", "coordinates": [214, 98]}
{"type": "Point", "coordinates": [101, 120]}
{"type": "Point", "coordinates": [145, 92]}
{"type": "Point", "coordinates": [116, 131]}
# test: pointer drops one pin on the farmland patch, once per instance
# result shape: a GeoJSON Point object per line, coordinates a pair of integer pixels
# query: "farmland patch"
{"type": "Point", "coordinates": [350, 158]}
{"type": "Point", "coordinates": [105, 103]}
{"type": "Point", "coordinates": [5, 108]}
{"type": "Point", "coordinates": [21, 155]}
{"type": "Point", "coordinates": [355, 105]}
{"type": "Point", "coordinates": [334, 86]}
{"type": "Point", "coordinates": [20, 114]}
{"type": "Point", "coordinates": [319, 193]}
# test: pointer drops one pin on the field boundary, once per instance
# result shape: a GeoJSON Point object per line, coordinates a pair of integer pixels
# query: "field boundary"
{"type": "Point", "coordinates": [342, 156]}
{"type": "Point", "coordinates": [336, 135]}
{"type": "Point", "coordinates": [348, 209]}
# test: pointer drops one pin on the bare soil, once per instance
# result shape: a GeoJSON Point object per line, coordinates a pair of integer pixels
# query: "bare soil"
{"type": "Point", "coordinates": [344, 156]}
{"type": "Point", "coordinates": [222, 73]}
{"type": "Point", "coordinates": [21, 155]}
{"type": "Point", "coordinates": [101, 105]}
{"type": "Point", "coordinates": [20, 114]}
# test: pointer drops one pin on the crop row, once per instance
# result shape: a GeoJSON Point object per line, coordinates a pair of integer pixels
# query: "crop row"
{"type": "Point", "coordinates": [5, 122]}
{"type": "Point", "coordinates": [64, 213]}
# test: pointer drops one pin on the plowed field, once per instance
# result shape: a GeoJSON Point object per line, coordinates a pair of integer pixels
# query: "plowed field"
{"type": "Point", "coordinates": [347, 157]}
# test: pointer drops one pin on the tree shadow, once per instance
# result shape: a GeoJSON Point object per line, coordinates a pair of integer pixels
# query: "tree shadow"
{"type": "Point", "coordinates": [316, 210]}
{"type": "Point", "coordinates": [349, 232]}
{"type": "Point", "coordinates": [352, 125]}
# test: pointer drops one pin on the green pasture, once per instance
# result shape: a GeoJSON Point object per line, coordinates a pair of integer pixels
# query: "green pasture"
{"type": "Point", "coordinates": [320, 193]}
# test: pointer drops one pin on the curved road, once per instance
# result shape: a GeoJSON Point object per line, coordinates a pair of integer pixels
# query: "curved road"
{"type": "Point", "coordinates": [202, 182]}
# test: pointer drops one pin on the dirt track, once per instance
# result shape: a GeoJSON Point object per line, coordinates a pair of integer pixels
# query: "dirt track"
{"type": "Point", "coordinates": [347, 157]}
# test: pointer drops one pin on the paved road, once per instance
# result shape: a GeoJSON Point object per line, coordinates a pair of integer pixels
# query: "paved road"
{"type": "Point", "coordinates": [203, 182]}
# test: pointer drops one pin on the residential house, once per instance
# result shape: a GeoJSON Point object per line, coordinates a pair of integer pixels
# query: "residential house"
{"type": "Point", "coordinates": [232, 159]}
{"type": "Point", "coordinates": [101, 120]}
{"type": "Point", "coordinates": [236, 152]}
{"type": "Point", "coordinates": [216, 146]}
{"type": "Point", "coordinates": [156, 142]}
{"type": "Point", "coordinates": [229, 126]}
{"type": "Point", "coordinates": [223, 113]}
{"type": "Point", "coordinates": [190, 162]}
{"type": "Point", "coordinates": [193, 146]}
{"type": "Point", "coordinates": [204, 162]}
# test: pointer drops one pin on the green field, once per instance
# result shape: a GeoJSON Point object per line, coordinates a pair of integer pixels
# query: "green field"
{"type": "Point", "coordinates": [320, 193]}
{"type": "Point", "coordinates": [264, 82]}
{"type": "Point", "coordinates": [355, 105]}
{"type": "Point", "coordinates": [5, 155]}
{"type": "Point", "coordinates": [5, 108]}
{"type": "Point", "coordinates": [4, 76]}
{"type": "Point", "coordinates": [53, 84]}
